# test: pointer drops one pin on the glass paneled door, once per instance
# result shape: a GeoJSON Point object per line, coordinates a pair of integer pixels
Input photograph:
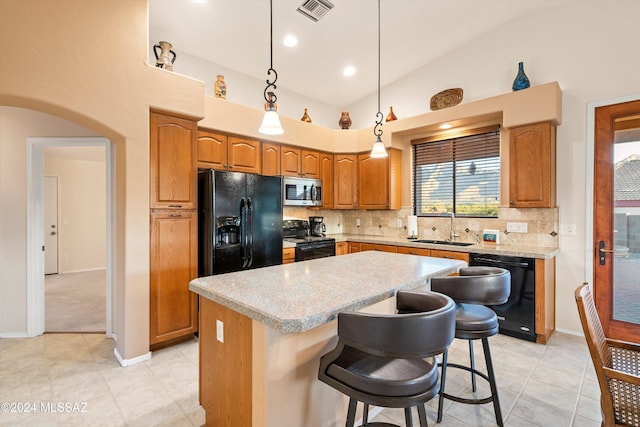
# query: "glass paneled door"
{"type": "Point", "coordinates": [617, 219]}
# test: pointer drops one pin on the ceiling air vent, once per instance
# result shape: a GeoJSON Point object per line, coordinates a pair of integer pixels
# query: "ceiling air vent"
{"type": "Point", "coordinates": [315, 9]}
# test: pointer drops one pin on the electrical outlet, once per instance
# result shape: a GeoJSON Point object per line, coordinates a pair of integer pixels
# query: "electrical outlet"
{"type": "Point", "coordinates": [220, 330]}
{"type": "Point", "coordinates": [357, 222]}
{"type": "Point", "coordinates": [517, 227]}
{"type": "Point", "coordinates": [399, 223]}
{"type": "Point", "coordinates": [568, 229]}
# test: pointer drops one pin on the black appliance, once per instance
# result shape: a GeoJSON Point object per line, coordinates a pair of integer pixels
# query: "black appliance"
{"type": "Point", "coordinates": [317, 227]}
{"type": "Point", "coordinates": [517, 316]}
{"type": "Point", "coordinates": [240, 221]}
{"type": "Point", "coordinates": [307, 247]}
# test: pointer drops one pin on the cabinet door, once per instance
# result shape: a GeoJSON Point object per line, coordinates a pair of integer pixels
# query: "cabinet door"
{"type": "Point", "coordinates": [345, 181]}
{"type": "Point", "coordinates": [342, 248]}
{"type": "Point", "coordinates": [270, 159]}
{"type": "Point", "coordinates": [173, 264]}
{"type": "Point", "coordinates": [212, 150]}
{"type": "Point", "coordinates": [173, 173]}
{"type": "Point", "coordinates": [376, 247]}
{"type": "Point", "coordinates": [288, 255]}
{"type": "Point", "coordinates": [373, 182]}
{"type": "Point", "coordinates": [310, 166]}
{"type": "Point", "coordinates": [244, 155]}
{"type": "Point", "coordinates": [532, 166]}
{"type": "Point", "coordinates": [290, 161]}
{"type": "Point", "coordinates": [326, 175]}
{"type": "Point", "coordinates": [354, 247]}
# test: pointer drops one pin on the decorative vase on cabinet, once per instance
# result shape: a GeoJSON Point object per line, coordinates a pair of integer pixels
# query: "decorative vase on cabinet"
{"type": "Point", "coordinates": [345, 120]}
{"type": "Point", "coordinates": [162, 59]}
{"type": "Point", "coordinates": [521, 81]}
{"type": "Point", "coordinates": [220, 87]}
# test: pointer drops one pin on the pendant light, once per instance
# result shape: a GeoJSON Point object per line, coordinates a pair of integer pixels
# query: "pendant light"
{"type": "Point", "coordinates": [378, 150]}
{"type": "Point", "coordinates": [271, 122]}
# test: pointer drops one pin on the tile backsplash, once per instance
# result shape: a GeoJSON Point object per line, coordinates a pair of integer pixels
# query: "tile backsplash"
{"type": "Point", "coordinates": [541, 224]}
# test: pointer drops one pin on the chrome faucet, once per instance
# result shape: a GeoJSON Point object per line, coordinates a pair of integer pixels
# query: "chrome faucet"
{"type": "Point", "coordinates": [452, 234]}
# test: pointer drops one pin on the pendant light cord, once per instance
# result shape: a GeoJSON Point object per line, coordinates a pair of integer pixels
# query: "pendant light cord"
{"type": "Point", "coordinates": [377, 130]}
{"type": "Point", "coordinates": [269, 95]}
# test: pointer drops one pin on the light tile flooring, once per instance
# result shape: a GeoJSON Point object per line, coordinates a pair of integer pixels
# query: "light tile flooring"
{"type": "Point", "coordinates": [552, 385]}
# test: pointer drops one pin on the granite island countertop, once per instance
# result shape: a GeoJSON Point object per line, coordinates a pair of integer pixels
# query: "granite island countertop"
{"type": "Point", "coordinates": [299, 296]}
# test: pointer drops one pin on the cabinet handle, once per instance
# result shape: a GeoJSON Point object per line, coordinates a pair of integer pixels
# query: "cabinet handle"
{"type": "Point", "coordinates": [511, 202]}
{"type": "Point", "coordinates": [175, 216]}
{"type": "Point", "coordinates": [175, 206]}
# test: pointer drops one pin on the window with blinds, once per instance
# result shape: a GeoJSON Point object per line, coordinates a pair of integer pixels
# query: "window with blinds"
{"type": "Point", "coordinates": [459, 175]}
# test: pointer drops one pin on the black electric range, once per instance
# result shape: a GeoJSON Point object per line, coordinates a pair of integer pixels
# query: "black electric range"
{"type": "Point", "coordinates": [307, 247]}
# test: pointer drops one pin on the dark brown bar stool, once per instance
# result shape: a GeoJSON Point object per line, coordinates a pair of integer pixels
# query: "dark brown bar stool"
{"type": "Point", "coordinates": [474, 288]}
{"type": "Point", "coordinates": [379, 359]}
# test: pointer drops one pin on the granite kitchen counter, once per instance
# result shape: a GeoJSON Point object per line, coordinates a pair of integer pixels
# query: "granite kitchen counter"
{"type": "Point", "coordinates": [300, 296]}
{"type": "Point", "coordinates": [485, 248]}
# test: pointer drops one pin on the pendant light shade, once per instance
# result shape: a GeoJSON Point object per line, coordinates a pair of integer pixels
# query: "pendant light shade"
{"type": "Point", "coordinates": [271, 122]}
{"type": "Point", "coordinates": [378, 150]}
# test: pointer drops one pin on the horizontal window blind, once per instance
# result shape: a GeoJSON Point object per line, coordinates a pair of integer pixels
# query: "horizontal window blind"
{"type": "Point", "coordinates": [460, 175]}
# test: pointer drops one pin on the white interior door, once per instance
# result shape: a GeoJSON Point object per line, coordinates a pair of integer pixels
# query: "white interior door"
{"type": "Point", "coordinates": [50, 225]}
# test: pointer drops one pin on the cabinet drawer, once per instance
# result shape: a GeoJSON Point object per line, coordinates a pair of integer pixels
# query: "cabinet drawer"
{"type": "Point", "coordinates": [414, 251]}
{"type": "Point", "coordinates": [382, 248]}
{"type": "Point", "coordinates": [463, 256]}
{"type": "Point", "coordinates": [354, 247]}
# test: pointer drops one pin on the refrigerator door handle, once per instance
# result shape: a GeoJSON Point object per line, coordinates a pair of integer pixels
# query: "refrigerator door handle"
{"type": "Point", "coordinates": [249, 232]}
{"type": "Point", "coordinates": [243, 233]}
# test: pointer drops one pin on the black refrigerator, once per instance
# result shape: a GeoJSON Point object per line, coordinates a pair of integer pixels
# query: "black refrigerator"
{"type": "Point", "coordinates": [240, 221]}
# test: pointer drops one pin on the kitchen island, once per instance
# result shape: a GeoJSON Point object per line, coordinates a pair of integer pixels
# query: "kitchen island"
{"type": "Point", "coordinates": [262, 333]}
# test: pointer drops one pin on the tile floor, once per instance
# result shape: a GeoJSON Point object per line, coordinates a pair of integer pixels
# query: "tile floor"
{"type": "Point", "coordinates": [551, 385]}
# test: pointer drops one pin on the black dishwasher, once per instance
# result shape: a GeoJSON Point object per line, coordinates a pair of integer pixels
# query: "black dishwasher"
{"type": "Point", "coordinates": [517, 316]}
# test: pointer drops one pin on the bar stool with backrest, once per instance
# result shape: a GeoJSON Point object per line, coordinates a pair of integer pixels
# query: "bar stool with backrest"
{"type": "Point", "coordinates": [472, 290]}
{"type": "Point", "coordinates": [380, 359]}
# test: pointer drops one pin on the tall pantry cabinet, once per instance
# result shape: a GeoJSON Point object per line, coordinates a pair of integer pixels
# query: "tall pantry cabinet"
{"type": "Point", "coordinates": [174, 229]}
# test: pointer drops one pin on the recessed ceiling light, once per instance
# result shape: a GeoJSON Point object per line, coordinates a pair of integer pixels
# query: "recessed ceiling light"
{"type": "Point", "coordinates": [349, 71]}
{"type": "Point", "coordinates": [446, 126]}
{"type": "Point", "coordinates": [290, 40]}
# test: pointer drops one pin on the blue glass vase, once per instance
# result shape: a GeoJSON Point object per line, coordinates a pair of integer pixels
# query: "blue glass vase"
{"type": "Point", "coordinates": [521, 81]}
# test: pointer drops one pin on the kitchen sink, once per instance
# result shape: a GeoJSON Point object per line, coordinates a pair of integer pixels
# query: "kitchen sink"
{"type": "Point", "coordinates": [444, 242]}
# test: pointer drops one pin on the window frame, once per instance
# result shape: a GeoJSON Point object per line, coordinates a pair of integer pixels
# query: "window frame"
{"type": "Point", "coordinates": [453, 138]}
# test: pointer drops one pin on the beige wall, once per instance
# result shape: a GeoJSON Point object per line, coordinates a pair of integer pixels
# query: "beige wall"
{"type": "Point", "coordinates": [81, 211]}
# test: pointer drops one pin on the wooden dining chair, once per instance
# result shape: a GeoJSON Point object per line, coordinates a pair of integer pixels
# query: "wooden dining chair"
{"type": "Point", "coordinates": [617, 366]}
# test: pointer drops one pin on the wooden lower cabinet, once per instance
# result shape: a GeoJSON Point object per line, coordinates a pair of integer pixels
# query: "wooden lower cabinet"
{"type": "Point", "coordinates": [173, 264]}
{"type": "Point", "coordinates": [414, 251]}
{"type": "Point", "coordinates": [288, 255]}
{"type": "Point", "coordinates": [462, 256]}
{"type": "Point", "coordinates": [545, 297]}
{"type": "Point", "coordinates": [376, 247]}
{"type": "Point", "coordinates": [354, 247]}
{"type": "Point", "coordinates": [342, 248]}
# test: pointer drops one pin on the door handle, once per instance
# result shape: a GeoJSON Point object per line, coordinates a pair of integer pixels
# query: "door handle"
{"type": "Point", "coordinates": [603, 251]}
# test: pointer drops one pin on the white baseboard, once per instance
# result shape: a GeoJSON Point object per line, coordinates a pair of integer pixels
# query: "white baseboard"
{"type": "Point", "coordinates": [128, 362]}
{"type": "Point", "coordinates": [14, 335]}
{"type": "Point", "coordinates": [84, 270]}
{"type": "Point", "coordinates": [570, 332]}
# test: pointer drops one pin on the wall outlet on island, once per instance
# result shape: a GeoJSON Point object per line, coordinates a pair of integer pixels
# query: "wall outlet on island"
{"type": "Point", "coordinates": [220, 330]}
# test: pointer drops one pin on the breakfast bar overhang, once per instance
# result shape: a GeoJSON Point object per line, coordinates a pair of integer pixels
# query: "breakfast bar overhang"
{"type": "Point", "coordinates": [262, 333]}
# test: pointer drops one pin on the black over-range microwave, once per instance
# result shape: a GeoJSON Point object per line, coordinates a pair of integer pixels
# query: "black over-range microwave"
{"type": "Point", "coordinates": [301, 191]}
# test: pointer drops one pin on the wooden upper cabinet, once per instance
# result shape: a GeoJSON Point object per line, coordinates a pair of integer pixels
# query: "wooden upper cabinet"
{"type": "Point", "coordinates": [300, 162]}
{"type": "Point", "coordinates": [345, 181]}
{"type": "Point", "coordinates": [270, 159]}
{"type": "Point", "coordinates": [244, 155]}
{"type": "Point", "coordinates": [173, 173]}
{"type": "Point", "coordinates": [225, 152]}
{"type": "Point", "coordinates": [532, 166]}
{"type": "Point", "coordinates": [379, 181]}
{"type": "Point", "coordinates": [326, 175]}
{"type": "Point", "coordinates": [212, 149]}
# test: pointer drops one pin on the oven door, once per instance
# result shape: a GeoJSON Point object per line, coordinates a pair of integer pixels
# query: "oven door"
{"type": "Point", "coordinates": [315, 250]}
